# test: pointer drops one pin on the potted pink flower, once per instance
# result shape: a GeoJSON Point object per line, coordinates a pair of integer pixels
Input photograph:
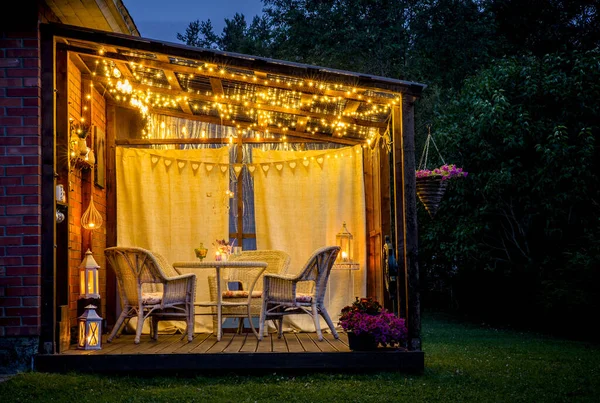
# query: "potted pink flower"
{"type": "Point", "coordinates": [369, 325]}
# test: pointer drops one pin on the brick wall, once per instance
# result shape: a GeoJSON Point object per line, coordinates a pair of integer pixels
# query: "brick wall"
{"type": "Point", "coordinates": [20, 173]}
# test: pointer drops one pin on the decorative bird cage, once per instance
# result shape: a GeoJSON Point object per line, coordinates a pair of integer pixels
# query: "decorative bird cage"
{"type": "Point", "coordinates": [345, 241]}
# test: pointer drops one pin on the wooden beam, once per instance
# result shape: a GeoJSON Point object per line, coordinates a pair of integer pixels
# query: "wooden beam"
{"type": "Point", "coordinates": [217, 86]}
{"type": "Point", "coordinates": [316, 137]}
{"type": "Point", "coordinates": [172, 78]}
{"type": "Point", "coordinates": [357, 95]}
{"type": "Point", "coordinates": [246, 104]}
{"type": "Point", "coordinates": [409, 187]}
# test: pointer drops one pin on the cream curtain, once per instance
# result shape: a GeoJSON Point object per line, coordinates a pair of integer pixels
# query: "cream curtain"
{"type": "Point", "coordinates": [302, 198]}
{"type": "Point", "coordinates": [168, 201]}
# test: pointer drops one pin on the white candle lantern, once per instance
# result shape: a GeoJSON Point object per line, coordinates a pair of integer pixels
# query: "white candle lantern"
{"type": "Point", "coordinates": [345, 241]}
{"type": "Point", "coordinates": [88, 277]}
{"type": "Point", "coordinates": [90, 330]}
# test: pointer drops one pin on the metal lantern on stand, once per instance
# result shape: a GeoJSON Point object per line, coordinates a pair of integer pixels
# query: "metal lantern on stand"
{"type": "Point", "coordinates": [90, 330]}
{"type": "Point", "coordinates": [88, 284]}
{"type": "Point", "coordinates": [345, 241]}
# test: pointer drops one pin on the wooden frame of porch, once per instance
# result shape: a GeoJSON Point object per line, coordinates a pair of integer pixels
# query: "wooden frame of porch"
{"type": "Point", "coordinates": [236, 352]}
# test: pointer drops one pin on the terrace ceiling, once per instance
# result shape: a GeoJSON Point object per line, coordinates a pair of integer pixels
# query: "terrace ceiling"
{"type": "Point", "coordinates": [261, 97]}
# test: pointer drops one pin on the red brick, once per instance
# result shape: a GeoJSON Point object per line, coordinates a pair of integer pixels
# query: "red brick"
{"type": "Point", "coordinates": [22, 330]}
{"type": "Point", "coordinates": [31, 160]}
{"type": "Point", "coordinates": [23, 111]}
{"type": "Point", "coordinates": [32, 199]}
{"type": "Point", "coordinates": [10, 321]}
{"type": "Point", "coordinates": [31, 170]}
{"type": "Point", "coordinates": [12, 301]}
{"type": "Point", "coordinates": [36, 122]}
{"type": "Point", "coordinates": [31, 82]}
{"type": "Point", "coordinates": [24, 150]}
{"type": "Point", "coordinates": [10, 200]}
{"type": "Point", "coordinates": [10, 261]}
{"type": "Point", "coordinates": [22, 311]}
{"type": "Point", "coordinates": [21, 210]}
{"type": "Point", "coordinates": [12, 121]}
{"type": "Point", "coordinates": [11, 220]}
{"type": "Point", "coordinates": [30, 102]}
{"type": "Point", "coordinates": [10, 141]}
{"type": "Point", "coordinates": [31, 140]}
{"type": "Point", "coordinates": [22, 190]}
{"type": "Point", "coordinates": [31, 43]}
{"type": "Point", "coordinates": [30, 320]}
{"type": "Point", "coordinates": [13, 160]}
{"type": "Point", "coordinates": [35, 219]}
{"type": "Point", "coordinates": [11, 281]}
{"type": "Point", "coordinates": [11, 180]}
{"type": "Point", "coordinates": [31, 63]}
{"type": "Point", "coordinates": [22, 291]}
{"type": "Point", "coordinates": [32, 180]}
{"type": "Point", "coordinates": [22, 73]}
{"type": "Point", "coordinates": [23, 230]}
{"type": "Point", "coordinates": [32, 34]}
{"type": "Point", "coordinates": [32, 280]}
{"type": "Point", "coordinates": [32, 261]}
{"type": "Point", "coordinates": [10, 63]}
{"type": "Point", "coordinates": [22, 53]}
{"type": "Point", "coordinates": [11, 82]}
{"type": "Point", "coordinates": [11, 241]}
{"type": "Point", "coordinates": [12, 101]}
{"type": "Point", "coordinates": [11, 131]}
{"type": "Point", "coordinates": [32, 240]}
{"type": "Point", "coordinates": [31, 301]}
{"type": "Point", "coordinates": [22, 92]}
{"type": "Point", "coordinates": [11, 43]}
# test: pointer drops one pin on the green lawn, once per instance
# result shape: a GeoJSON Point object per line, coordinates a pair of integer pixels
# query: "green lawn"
{"type": "Point", "coordinates": [463, 363]}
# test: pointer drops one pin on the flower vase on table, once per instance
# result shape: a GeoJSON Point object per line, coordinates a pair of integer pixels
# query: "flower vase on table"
{"type": "Point", "coordinates": [201, 252]}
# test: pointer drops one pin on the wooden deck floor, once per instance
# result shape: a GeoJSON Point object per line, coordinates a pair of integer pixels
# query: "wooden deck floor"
{"type": "Point", "coordinates": [235, 352]}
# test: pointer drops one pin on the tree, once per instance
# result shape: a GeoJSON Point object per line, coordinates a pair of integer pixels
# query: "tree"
{"type": "Point", "coordinates": [520, 237]}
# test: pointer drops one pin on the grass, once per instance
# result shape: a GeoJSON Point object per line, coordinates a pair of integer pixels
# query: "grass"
{"type": "Point", "coordinates": [463, 363]}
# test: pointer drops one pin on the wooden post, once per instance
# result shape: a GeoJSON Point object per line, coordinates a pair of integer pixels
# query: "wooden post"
{"type": "Point", "coordinates": [411, 254]}
{"type": "Point", "coordinates": [111, 211]}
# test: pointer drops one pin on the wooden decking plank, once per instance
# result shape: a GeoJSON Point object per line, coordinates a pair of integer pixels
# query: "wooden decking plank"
{"type": "Point", "coordinates": [294, 345]}
{"type": "Point", "coordinates": [265, 345]}
{"type": "Point", "coordinates": [182, 345]}
{"type": "Point", "coordinates": [251, 344]}
{"type": "Point", "coordinates": [219, 346]}
{"type": "Point", "coordinates": [308, 343]}
{"type": "Point", "coordinates": [336, 344]}
{"type": "Point", "coordinates": [279, 345]}
{"type": "Point", "coordinates": [163, 342]}
{"type": "Point", "coordinates": [197, 341]}
{"type": "Point", "coordinates": [236, 343]}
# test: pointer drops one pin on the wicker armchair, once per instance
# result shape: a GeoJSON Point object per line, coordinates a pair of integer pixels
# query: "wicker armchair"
{"type": "Point", "coordinates": [246, 281]}
{"type": "Point", "coordinates": [282, 296]}
{"type": "Point", "coordinates": [136, 269]}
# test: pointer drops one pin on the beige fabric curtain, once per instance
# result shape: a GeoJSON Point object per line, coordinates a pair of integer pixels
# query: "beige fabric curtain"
{"type": "Point", "coordinates": [168, 201]}
{"type": "Point", "coordinates": [302, 199]}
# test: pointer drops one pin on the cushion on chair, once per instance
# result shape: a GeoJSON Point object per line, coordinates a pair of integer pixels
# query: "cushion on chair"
{"type": "Point", "coordinates": [152, 298]}
{"type": "Point", "coordinates": [303, 297]}
{"type": "Point", "coordinates": [241, 294]}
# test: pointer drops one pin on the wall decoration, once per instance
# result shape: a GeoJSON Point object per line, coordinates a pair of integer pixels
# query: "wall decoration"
{"type": "Point", "coordinates": [100, 147]}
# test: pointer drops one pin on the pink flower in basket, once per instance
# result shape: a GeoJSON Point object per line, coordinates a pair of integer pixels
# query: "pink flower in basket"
{"type": "Point", "coordinates": [447, 171]}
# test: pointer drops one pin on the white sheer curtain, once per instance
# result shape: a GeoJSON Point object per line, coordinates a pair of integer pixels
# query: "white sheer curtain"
{"type": "Point", "coordinates": [168, 201]}
{"type": "Point", "coordinates": [302, 199]}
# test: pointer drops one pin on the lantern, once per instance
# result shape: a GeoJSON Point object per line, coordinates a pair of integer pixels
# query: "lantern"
{"type": "Point", "coordinates": [344, 240]}
{"type": "Point", "coordinates": [88, 277]}
{"type": "Point", "coordinates": [90, 330]}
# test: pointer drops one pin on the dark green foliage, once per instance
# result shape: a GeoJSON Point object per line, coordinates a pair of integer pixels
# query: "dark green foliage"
{"type": "Point", "coordinates": [519, 238]}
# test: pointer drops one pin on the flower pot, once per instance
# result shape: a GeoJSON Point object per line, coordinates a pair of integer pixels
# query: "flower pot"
{"type": "Point", "coordinates": [361, 342]}
{"type": "Point", "coordinates": [430, 190]}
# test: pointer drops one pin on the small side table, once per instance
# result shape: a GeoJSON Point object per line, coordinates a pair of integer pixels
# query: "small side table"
{"type": "Point", "coordinates": [350, 267]}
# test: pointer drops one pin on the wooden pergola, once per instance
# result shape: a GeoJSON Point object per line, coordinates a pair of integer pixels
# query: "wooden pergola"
{"type": "Point", "coordinates": [265, 100]}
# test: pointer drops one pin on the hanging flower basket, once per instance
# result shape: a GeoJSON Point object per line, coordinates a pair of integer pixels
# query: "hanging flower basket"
{"type": "Point", "coordinates": [430, 190]}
